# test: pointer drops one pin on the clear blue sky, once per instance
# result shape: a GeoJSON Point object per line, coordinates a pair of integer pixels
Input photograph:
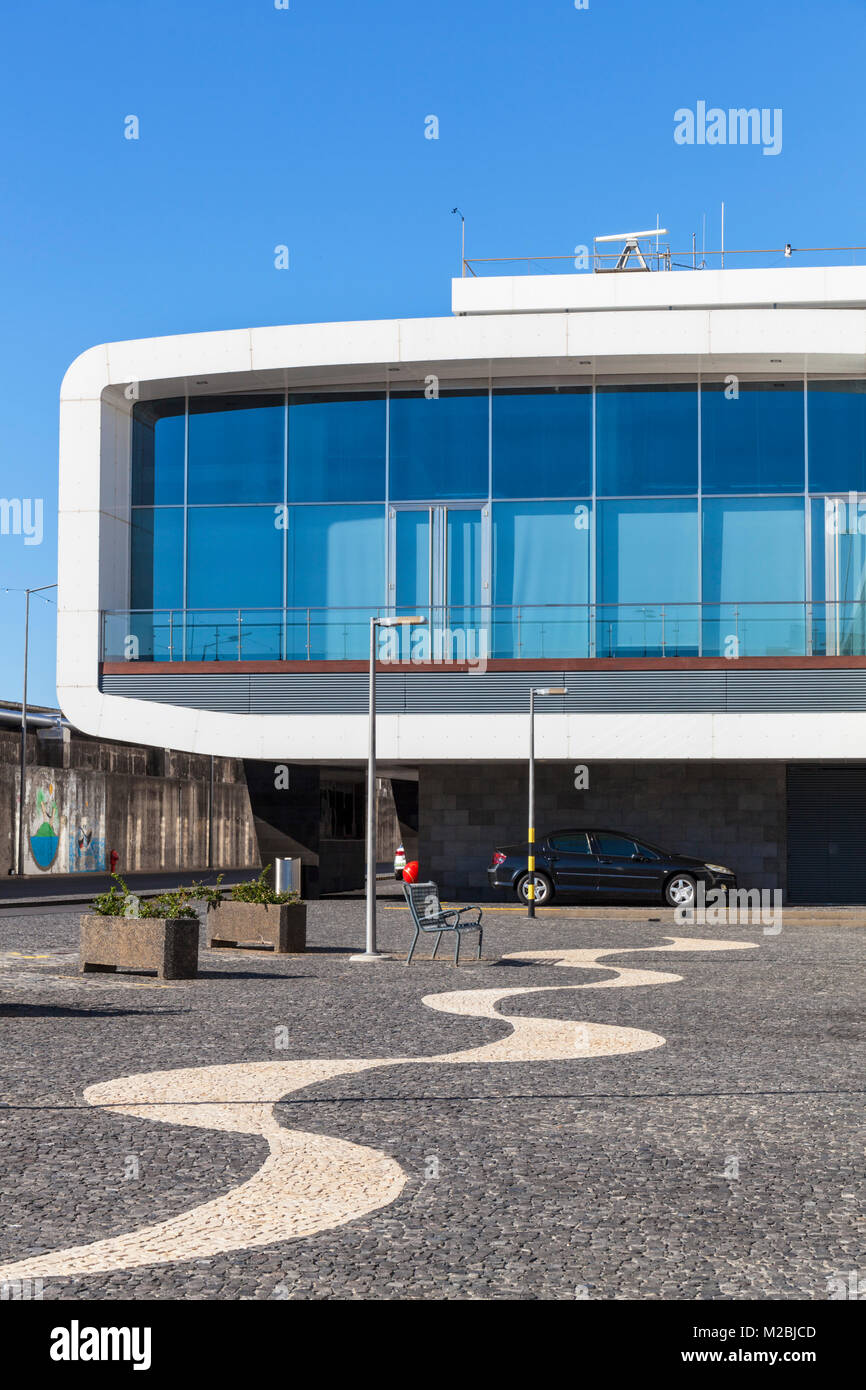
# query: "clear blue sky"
{"type": "Point", "coordinates": [305, 127]}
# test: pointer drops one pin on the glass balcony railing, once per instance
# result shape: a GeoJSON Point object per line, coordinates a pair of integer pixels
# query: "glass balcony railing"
{"type": "Point", "coordinates": [472, 634]}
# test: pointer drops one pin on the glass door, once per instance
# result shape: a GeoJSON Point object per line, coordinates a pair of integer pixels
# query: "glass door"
{"type": "Point", "coordinates": [844, 606]}
{"type": "Point", "coordinates": [439, 567]}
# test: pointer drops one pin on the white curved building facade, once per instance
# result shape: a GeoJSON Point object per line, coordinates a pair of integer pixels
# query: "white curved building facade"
{"type": "Point", "coordinates": [643, 487]}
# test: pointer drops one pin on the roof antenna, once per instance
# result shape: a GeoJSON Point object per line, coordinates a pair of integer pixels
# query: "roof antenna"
{"type": "Point", "coordinates": [462, 241]}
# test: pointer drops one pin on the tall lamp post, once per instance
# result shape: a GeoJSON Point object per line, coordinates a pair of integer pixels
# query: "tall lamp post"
{"type": "Point", "coordinates": [370, 952]}
{"type": "Point", "coordinates": [545, 690]}
{"type": "Point", "coordinates": [22, 771]}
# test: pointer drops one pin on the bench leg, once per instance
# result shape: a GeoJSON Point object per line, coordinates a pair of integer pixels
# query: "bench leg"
{"type": "Point", "coordinates": [436, 947]}
{"type": "Point", "coordinates": [412, 948]}
{"type": "Point", "coordinates": [479, 943]}
{"type": "Point", "coordinates": [456, 948]}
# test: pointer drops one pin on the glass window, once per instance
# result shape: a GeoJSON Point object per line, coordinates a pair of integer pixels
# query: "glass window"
{"type": "Point", "coordinates": [755, 441]}
{"type": "Point", "coordinates": [337, 448]}
{"type": "Point", "coordinates": [542, 443]}
{"type": "Point", "coordinates": [439, 447]}
{"type": "Point", "coordinates": [617, 846]}
{"type": "Point", "coordinates": [839, 575]}
{"type": "Point", "coordinates": [575, 842]}
{"type": "Point", "coordinates": [837, 436]}
{"type": "Point", "coordinates": [157, 557]}
{"type": "Point", "coordinates": [541, 557]}
{"type": "Point", "coordinates": [158, 444]}
{"type": "Point", "coordinates": [646, 440]}
{"type": "Point", "coordinates": [463, 566]}
{"type": "Point", "coordinates": [236, 449]}
{"type": "Point", "coordinates": [754, 576]}
{"type": "Point", "coordinates": [235, 557]}
{"type": "Point", "coordinates": [412, 559]}
{"type": "Point", "coordinates": [647, 578]}
{"type": "Point", "coordinates": [336, 562]}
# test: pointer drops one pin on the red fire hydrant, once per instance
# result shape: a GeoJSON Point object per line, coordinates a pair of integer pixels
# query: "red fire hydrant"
{"type": "Point", "coordinates": [112, 859]}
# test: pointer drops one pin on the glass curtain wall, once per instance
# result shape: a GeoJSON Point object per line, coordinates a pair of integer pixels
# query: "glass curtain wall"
{"type": "Point", "coordinates": [676, 518]}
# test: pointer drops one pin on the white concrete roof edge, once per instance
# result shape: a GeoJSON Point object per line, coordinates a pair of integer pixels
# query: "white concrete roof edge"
{"type": "Point", "coordinates": [485, 338]}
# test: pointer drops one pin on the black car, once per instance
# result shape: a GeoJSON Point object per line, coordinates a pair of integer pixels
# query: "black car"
{"type": "Point", "coordinates": [604, 865]}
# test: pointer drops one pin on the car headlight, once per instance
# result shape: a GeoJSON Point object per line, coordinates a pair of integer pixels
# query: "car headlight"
{"type": "Point", "coordinates": [718, 868]}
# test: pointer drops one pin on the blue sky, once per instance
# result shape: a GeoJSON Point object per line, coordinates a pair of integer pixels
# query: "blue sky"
{"type": "Point", "coordinates": [305, 127]}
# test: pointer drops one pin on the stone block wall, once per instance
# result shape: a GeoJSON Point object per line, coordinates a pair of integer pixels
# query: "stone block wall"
{"type": "Point", "coordinates": [730, 813]}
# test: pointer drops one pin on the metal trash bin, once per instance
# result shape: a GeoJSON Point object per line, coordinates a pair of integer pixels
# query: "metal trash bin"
{"type": "Point", "coordinates": [287, 875]}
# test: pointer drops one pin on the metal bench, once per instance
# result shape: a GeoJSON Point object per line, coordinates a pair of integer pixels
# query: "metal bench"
{"type": "Point", "coordinates": [428, 915]}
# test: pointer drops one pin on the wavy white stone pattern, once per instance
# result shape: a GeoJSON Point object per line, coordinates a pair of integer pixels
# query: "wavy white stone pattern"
{"type": "Point", "coordinates": [312, 1182]}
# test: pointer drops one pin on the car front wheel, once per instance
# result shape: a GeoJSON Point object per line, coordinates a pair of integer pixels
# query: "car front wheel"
{"type": "Point", "coordinates": [680, 891]}
{"type": "Point", "coordinates": [543, 889]}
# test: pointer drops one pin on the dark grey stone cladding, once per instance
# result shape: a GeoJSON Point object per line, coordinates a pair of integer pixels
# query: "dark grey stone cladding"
{"type": "Point", "coordinates": [730, 813]}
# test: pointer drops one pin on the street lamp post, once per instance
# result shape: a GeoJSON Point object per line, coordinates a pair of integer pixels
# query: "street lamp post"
{"type": "Point", "coordinates": [530, 888]}
{"type": "Point", "coordinates": [370, 952]}
{"type": "Point", "coordinates": [22, 771]}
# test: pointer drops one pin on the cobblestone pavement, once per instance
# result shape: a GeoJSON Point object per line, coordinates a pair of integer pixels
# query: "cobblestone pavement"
{"type": "Point", "coordinates": [725, 1163]}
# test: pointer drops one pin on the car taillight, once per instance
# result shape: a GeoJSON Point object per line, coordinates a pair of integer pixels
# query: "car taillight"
{"type": "Point", "coordinates": [498, 858]}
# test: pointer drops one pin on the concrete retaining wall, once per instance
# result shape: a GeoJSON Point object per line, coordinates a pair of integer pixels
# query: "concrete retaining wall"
{"type": "Point", "coordinates": [151, 805]}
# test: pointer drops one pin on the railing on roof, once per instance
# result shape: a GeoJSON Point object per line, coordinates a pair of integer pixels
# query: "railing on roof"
{"type": "Point", "coordinates": [583, 259]}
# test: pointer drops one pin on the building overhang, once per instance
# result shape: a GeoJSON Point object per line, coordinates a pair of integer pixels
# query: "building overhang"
{"type": "Point", "coordinates": [647, 340]}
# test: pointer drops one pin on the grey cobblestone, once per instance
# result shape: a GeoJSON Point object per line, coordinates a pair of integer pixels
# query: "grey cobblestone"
{"type": "Point", "coordinates": [604, 1172]}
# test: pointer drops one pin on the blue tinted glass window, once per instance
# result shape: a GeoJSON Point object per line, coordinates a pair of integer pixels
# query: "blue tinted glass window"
{"type": "Point", "coordinates": [337, 557]}
{"type": "Point", "coordinates": [157, 557]}
{"type": "Point", "coordinates": [754, 576]}
{"type": "Point", "coordinates": [336, 580]}
{"type": "Point", "coordinates": [235, 557]}
{"type": "Point", "coordinates": [754, 441]}
{"type": "Point", "coordinates": [647, 580]}
{"type": "Point", "coordinates": [648, 552]}
{"type": "Point", "coordinates": [839, 576]}
{"type": "Point", "coordinates": [463, 558]}
{"type": "Point", "coordinates": [412, 559]}
{"type": "Point", "coordinates": [541, 552]}
{"type": "Point", "coordinates": [541, 558]}
{"type": "Point", "coordinates": [753, 549]}
{"type": "Point", "coordinates": [236, 449]}
{"type": "Point", "coordinates": [542, 443]}
{"type": "Point", "coordinates": [837, 436]}
{"type": "Point", "coordinates": [646, 440]}
{"type": "Point", "coordinates": [439, 447]}
{"type": "Point", "coordinates": [336, 449]}
{"type": "Point", "coordinates": [158, 443]}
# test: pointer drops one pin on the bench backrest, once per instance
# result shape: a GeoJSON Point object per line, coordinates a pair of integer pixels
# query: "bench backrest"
{"type": "Point", "coordinates": [423, 902]}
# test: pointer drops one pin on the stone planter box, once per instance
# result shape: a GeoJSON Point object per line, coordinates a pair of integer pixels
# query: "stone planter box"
{"type": "Point", "coordinates": [282, 926]}
{"type": "Point", "coordinates": [167, 945]}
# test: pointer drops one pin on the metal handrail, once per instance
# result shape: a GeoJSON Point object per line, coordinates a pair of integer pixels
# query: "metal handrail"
{"type": "Point", "coordinates": [485, 604]}
{"type": "Point", "coordinates": [524, 630]}
{"type": "Point", "coordinates": [668, 256]}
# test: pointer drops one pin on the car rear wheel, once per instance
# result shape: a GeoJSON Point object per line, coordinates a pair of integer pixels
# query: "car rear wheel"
{"type": "Point", "coordinates": [543, 889]}
{"type": "Point", "coordinates": [680, 891]}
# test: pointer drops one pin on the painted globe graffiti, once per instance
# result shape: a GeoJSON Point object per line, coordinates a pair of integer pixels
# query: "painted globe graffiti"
{"type": "Point", "coordinates": [45, 840]}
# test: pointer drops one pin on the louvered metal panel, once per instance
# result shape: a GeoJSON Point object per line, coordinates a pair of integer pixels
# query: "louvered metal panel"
{"type": "Point", "coordinates": [500, 692]}
{"type": "Point", "coordinates": [826, 813]}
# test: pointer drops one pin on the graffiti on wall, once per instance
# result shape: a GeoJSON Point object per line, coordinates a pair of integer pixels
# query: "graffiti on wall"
{"type": "Point", "coordinates": [66, 822]}
{"type": "Point", "coordinates": [45, 826]}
